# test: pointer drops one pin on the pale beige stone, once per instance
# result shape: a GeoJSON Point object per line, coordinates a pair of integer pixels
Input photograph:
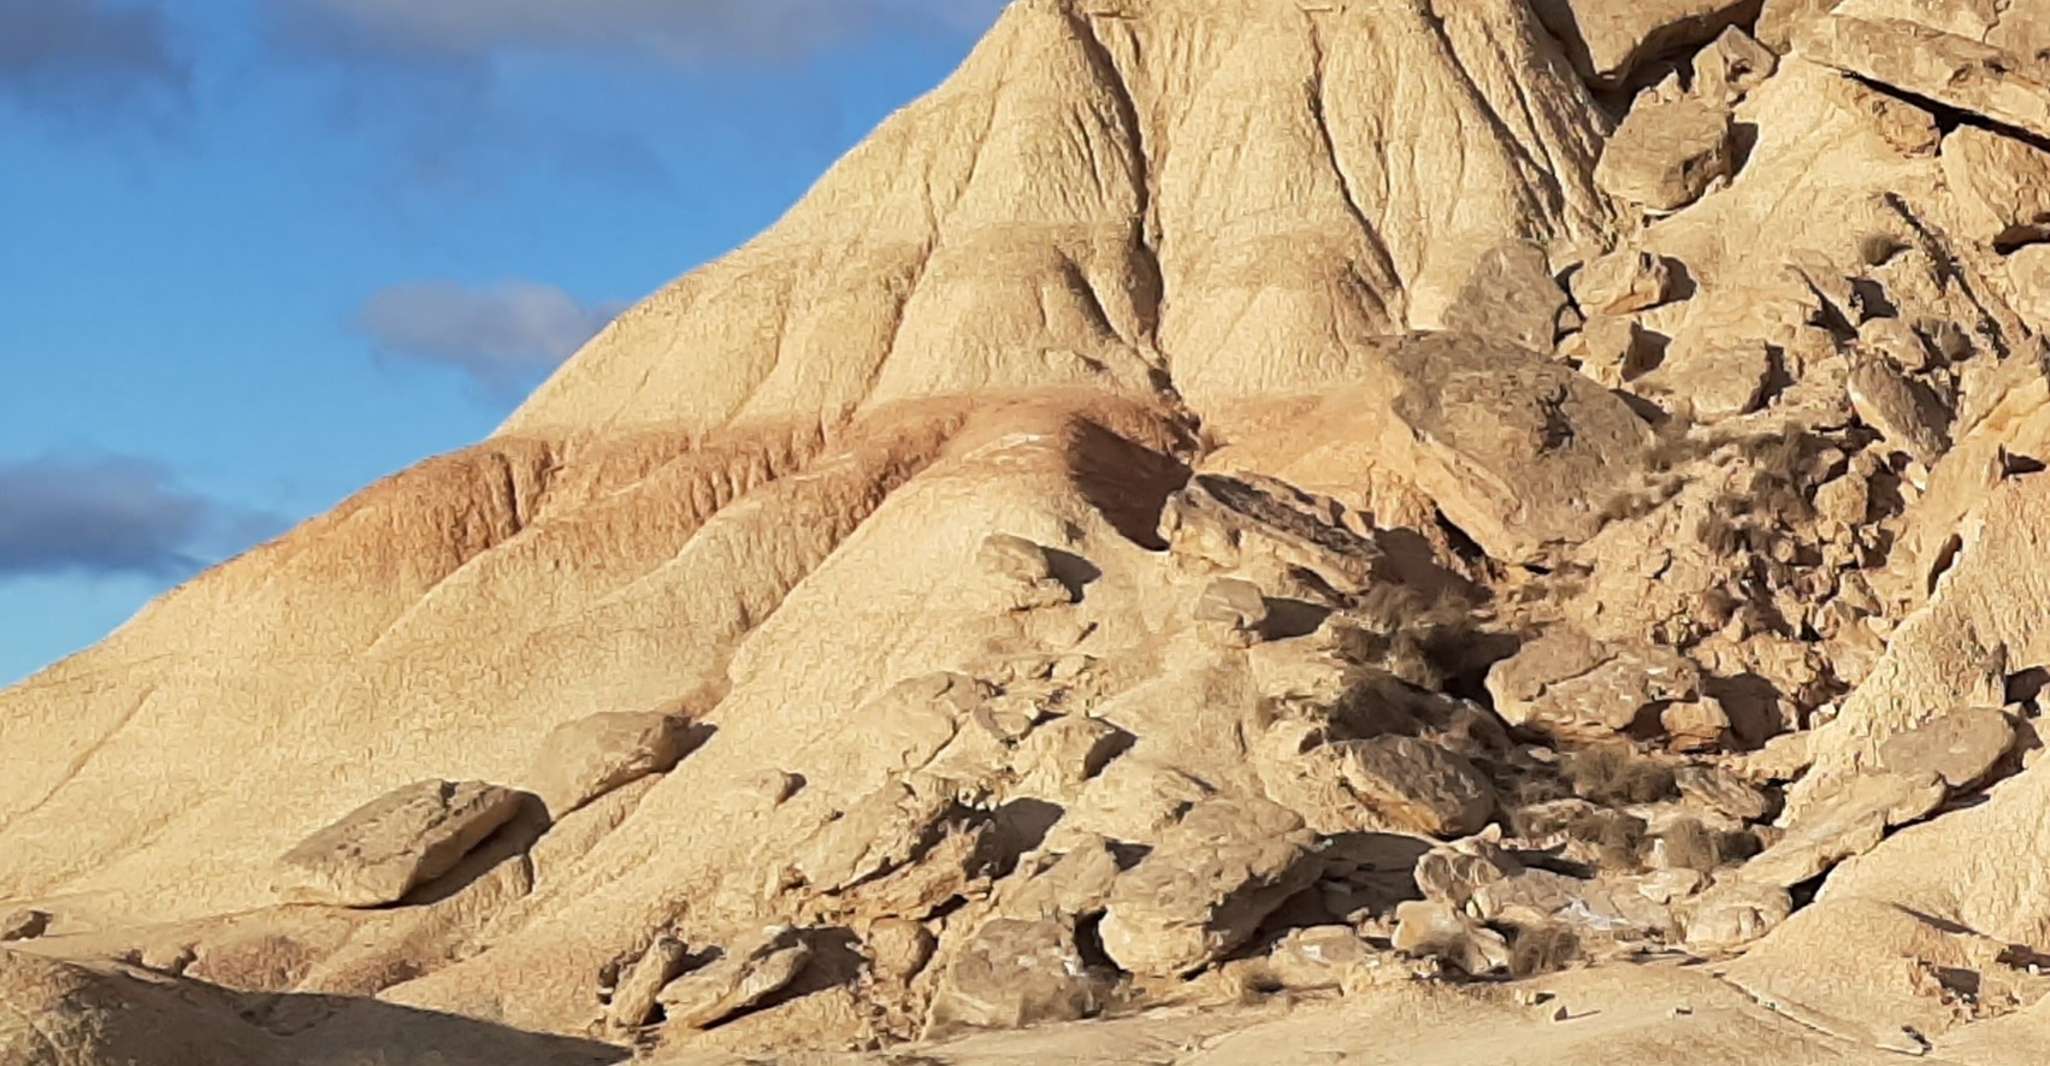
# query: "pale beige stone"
{"type": "Point", "coordinates": [582, 760]}
{"type": "Point", "coordinates": [745, 973]}
{"type": "Point", "coordinates": [378, 852]}
{"type": "Point", "coordinates": [1205, 888]}
{"type": "Point", "coordinates": [1016, 973]}
{"type": "Point", "coordinates": [1666, 153]}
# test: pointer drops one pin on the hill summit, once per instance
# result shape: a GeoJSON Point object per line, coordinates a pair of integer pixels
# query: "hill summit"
{"type": "Point", "coordinates": [1385, 529]}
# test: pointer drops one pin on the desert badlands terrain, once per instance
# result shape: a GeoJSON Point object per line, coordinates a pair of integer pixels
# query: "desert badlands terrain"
{"type": "Point", "coordinates": [1233, 532]}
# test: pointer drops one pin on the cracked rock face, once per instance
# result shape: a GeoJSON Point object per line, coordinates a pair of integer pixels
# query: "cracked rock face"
{"type": "Point", "coordinates": [1224, 505]}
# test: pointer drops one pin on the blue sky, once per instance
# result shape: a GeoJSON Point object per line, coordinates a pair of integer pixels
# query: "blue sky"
{"type": "Point", "coordinates": [259, 253]}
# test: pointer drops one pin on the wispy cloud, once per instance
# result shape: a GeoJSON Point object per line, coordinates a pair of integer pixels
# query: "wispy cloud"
{"type": "Point", "coordinates": [504, 336]}
{"type": "Point", "coordinates": [111, 514]}
{"type": "Point", "coordinates": [77, 57]}
{"type": "Point", "coordinates": [675, 30]}
{"type": "Point", "coordinates": [430, 77]}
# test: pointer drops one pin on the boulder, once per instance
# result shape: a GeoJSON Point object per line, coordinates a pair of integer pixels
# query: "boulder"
{"type": "Point", "coordinates": [1434, 930]}
{"type": "Point", "coordinates": [1900, 412]}
{"type": "Point", "coordinates": [1608, 41]}
{"type": "Point", "coordinates": [1567, 685]}
{"type": "Point", "coordinates": [1622, 282]}
{"type": "Point", "coordinates": [1389, 783]}
{"type": "Point", "coordinates": [1014, 973]}
{"type": "Point", "coordinates": [1614, 350]}
{"type": "Point", "coordinates": [1712, 380]}
{"type": "Point", "coordinates": [1721, 791]}
{"type": "Point", "coordinates": [1778, 19]}
{"type": "Point", "coordinates": [2001, 184]}
{"type": "Point", "coordinates": [581, 760]}
{"type": "Point", "coordinates": [746, 973]}
{"type": "Point", "coordinates": [898, 948]}
{"type": "Point", "coordinates": [1206, 886]}
{"type": "Point", "coordinates": [380, 851]}
{"type": "Point", "coordinates": [1666, 153]}
{"type": "Point", "coordinates": [1849, 823]}
{"type": "Point", "coordinates": [1960, 748]}
{"type": "Point", "coordinates": [1058, 756]}
{"type": "Point", "coordinates": [877, 834]}
{"type": "Point", "coordinates": [2028, 274]}
{"type": "Point", "coordinates": [1232, 611]}
{"type": "Point", "coordinates": [1413, 785]}
{"type": "Point", "coordinates": [1073, 883]}
{"type": "Point", "coordinates": [1318, 957]}
{"type": "Point", "coordinates": [1517, 451]}
{"type": "Point", "coordinates": [1731, 66]}
{"type": "Point", "coordinates": [1451, 873]}
{"type": "Point", "coordinates": [1022, 573]}
{"type": "Point", "coordinates": [635, 996]}
{"type": "Point", "coordinates": [1510, 297]}
{"type": "Point", "coordinates": [1734, 912]}
{"type": "Point", "coordinates": [1696, 725]}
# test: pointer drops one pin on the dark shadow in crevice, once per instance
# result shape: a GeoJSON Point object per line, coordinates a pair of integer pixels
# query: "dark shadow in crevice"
{"type": "Point", "coordinates": [1127, 483]}
{"type": "Point", "coordinates": [1743, 142]}
{"type": "Point", "coordinates": [1753, 704]}
{"type": "Point", "coordinates": [1869, 301]}
{"type": "Point", "coordinates": [1072, 571]}
{"type": "Point", "coordinates": [1022, 826]}
{"type": "Point", "coordinates": [1287, 618]}
{"type": "Point", "coordinates": [1949, 118]}
{"type": "Point", "coordinates": [2026, 687]}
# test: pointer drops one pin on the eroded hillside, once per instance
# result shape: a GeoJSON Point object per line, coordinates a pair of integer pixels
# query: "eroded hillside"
{"type": "Point", "coordinates": [1417, 531]}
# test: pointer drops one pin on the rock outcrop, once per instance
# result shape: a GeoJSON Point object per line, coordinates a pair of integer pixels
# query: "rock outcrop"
{"type": "Point", "coordinates": [1225, 505]}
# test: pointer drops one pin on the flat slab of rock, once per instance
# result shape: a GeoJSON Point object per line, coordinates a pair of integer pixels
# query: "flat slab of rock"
{"type": "Point", "coordinates": [1852, 822]}
{"type": "Point", "coordinates": [1569, 686]}
{"type": "Point", "coordinates": [380, 851]}
{"type": "Point", "coordinates": [1666, 153]}
{"type": "Point", "coordinates": [1965, 55]}
{"type": "Point", "coordinates": [1205, 888]}
{"type": "Point", "coordinates": [581, 760]}
{"type": "Point", "coordinates": [634, 1000]}
{"type": "Point", "coordinates": [1014, 973]}
{"type": "Point", "coordinates": [1960, 747]}
{"type": "Point", "coordinates": [749, 972]}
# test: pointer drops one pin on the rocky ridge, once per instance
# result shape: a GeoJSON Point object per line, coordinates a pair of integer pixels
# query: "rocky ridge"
{"type": "Point", "coordinates": [1230, 529]}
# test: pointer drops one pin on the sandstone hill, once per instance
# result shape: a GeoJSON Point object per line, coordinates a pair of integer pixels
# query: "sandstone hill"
{"type": "Point", "coordinates": [1233, 531]}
